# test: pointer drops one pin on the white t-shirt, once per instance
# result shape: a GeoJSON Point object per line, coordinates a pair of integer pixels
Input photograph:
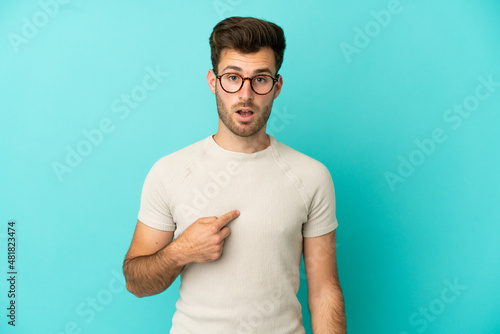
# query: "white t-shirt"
{"type": "Point", "coordinates": [282, 195]}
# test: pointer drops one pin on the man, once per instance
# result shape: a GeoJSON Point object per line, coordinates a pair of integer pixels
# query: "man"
{"type": "Point", "coordinates": [242, 207]}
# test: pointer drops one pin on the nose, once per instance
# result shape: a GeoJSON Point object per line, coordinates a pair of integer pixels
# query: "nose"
{"type": "Point", "coordinates": [246, 92]}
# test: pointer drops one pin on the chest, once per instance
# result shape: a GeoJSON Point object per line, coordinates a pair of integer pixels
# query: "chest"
{"type": "Point", "coordinates": [270, 206]}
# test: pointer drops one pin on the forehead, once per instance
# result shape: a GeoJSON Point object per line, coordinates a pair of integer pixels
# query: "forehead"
{"type": "Point", "coordinates": [248, 62]}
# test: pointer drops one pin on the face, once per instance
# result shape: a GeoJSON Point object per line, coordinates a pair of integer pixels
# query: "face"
{"type": "Point", "coordinates": [244, 113]}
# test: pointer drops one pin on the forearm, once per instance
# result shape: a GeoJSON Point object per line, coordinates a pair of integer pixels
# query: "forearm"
{"type": "Point", "coordinates": [328, 311]}
{"type": "Point", "coordinates": [151, 274]}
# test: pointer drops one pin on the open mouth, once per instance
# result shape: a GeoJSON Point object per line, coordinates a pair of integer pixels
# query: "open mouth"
{"type": "Point", "coordinates": [245, 113]}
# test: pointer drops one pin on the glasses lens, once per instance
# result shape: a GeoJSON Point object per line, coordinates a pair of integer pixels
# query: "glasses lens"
{"type": "Point", "coordinates": [262, 84]}
{"type": "Point", "coordinates": [231, 82]}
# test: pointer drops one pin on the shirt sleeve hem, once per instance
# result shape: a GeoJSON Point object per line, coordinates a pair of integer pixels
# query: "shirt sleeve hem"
{"type": "Point", "coordinates": [320, 231]}
{"type": "Point", "coordinates": [157, 225]}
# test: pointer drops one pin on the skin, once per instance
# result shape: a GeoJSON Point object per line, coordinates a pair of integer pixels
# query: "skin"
{"type": "Point", "coordinates": [324, 294]}
{"type": "Point", "coordinates": [234, 134]}
{"type": "Point", "coordinates": [154, 261]}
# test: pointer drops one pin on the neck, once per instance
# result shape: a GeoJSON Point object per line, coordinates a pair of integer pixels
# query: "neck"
{"type": "Point", "coordinates": [231, 142]}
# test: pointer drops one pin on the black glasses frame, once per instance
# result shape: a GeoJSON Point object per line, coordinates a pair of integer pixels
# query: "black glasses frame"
{"type": "Point", "coordinates": [251, 82]}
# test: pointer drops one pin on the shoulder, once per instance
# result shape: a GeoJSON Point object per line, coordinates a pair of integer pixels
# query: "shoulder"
{"type": "Point", "coordinates": [306, 167]}
{"type": "Point", "coordinates": [169, 167]}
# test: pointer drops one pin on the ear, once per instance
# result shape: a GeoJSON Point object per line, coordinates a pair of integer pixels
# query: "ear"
{"type": "Point", "coordinates": [278, 86]}
{"type": "Point", "coordinates": [212, 80]}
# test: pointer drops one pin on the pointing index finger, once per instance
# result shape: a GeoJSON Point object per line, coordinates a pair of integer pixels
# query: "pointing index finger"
{"type": "Point", "coordinates": [226, 218]}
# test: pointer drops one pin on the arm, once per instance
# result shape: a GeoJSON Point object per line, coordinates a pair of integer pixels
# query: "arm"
{"type": "Point", "coordinates": [326, 301]}
{"type": "Point", "coordinates": [154, 261]}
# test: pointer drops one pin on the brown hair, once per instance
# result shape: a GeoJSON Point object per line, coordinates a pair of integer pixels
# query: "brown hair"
{"type": "Point", "coordinates": [246, 35]}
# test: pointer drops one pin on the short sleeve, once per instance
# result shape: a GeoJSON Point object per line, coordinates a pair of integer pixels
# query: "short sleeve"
{"type": "Point", "coordinates": [321, 218]}
{"type": "Point", "coordinates": [154, 210]}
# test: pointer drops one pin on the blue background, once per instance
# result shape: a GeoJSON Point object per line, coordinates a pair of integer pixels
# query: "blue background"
{"type": "Point", "coordinates": [360, 113]}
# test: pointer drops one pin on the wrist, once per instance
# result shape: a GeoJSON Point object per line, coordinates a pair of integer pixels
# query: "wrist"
{"type": "Point", "coordinates": [176, 253]}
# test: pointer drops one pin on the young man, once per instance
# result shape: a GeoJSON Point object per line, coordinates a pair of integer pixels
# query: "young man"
{"type": "Point", "coordinates": [242, 207]}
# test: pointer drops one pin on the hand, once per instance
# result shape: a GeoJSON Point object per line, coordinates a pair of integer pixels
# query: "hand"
{"type": "Point", "coordinates": [203, 240]}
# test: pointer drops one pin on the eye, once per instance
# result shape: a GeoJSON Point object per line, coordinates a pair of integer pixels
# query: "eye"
{"type": "Point", "coordinates": [233, 77]}
{"type": "Point", "coordinates": [261, 80]}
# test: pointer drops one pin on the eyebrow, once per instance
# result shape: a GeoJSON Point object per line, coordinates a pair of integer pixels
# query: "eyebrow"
{"type": "Point", "coordinates": [259, 70]}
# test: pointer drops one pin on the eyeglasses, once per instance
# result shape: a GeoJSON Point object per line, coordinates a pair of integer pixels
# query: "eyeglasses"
{"type": "Point", "coordinates": [261, 84]}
